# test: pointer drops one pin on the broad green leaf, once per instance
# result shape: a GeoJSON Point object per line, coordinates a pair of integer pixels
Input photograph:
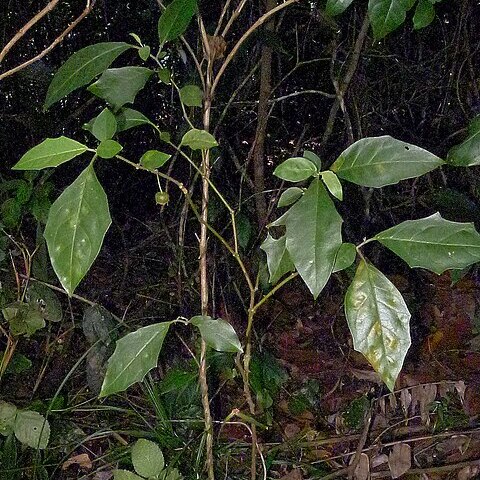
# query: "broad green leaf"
{"type": "Point", "coordinates": [198, 140]}
{"type": "Point", "coordinates": [164, 75]}
{"type": "Point", "coordinates": [8, 413]}
{"type": "Point", "coordinates": [104, 126]}
{"type": "Point", "coordinates": [424, 14]}
{"type": "Point", "coordinates": [32, 429]}
{"type": "Point", "coordinates": [467, 154]}
{"type": "Point", "coordinates": [153, 159]}
{"type": "Point", "coordinates": [433, 243]}
{"type": "Point", "coordinates": [314, 158]}
{"type": "Point", "coordinates": [23, 319]}
{"type": "Point", "coordinates": [52, 152]}
{"type": "Point", "coordinates": [345, 257]}
{"type": "Point", "coordinates": [380, 161]}
{"type": "Point", "coordinates": [108, 149]}
{"type": "Point", "coordinates": [191, 96]}
{"type": "Point", "coordinates": [81, 68]}
{"type": "Point", "coordinates": [77, 223]}
{"type": "Point", "coordinates": [387, 15]}
{"type": "Point", "coordinates": [134, 356]}
{"type": "Point", "coordinates": [46, 301]}
{"type": "Point", "coordinates": [314, 235]}
{"type": "Point", "coordinates": [18, 364]}
{"type": "Point", "coordinates": [295, 169]}
{"type": "Point", "coordinates": [378, 319]}
{"type": "Point", "coordinates": [333, 184]}
{"type": "Point", "coordinates": [129, 118]}
{"type": "Point", "coordinates": [217, 334]}
{"type": "Point", "coordinates": [119, 86]}
{"type": "Point", "coordinates": [147, 458]}
{"type": "Point", "coordinates": [289, 196]}
{"type": "Point", "coordinates": [144, 52]}
{"type": "Point", "coordinates": [125, 475]}
{"type": "Point", "coordinates": [278, 258]}
{"type": "Point", "coordinates": [336, 7]}
{"type": "Point", "coordinates": [175, 19]}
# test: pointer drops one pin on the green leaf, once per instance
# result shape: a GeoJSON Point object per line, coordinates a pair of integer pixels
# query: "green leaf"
{"type": "Point", "coordinates": [433, 243]}
{"type": "Point", "coordinates": [278, 259]}
{"type": "Point", "coordinates": [198, 140]}
{"type": "Point", "coordinates": [314, 235]}
{"type": "Point", "coordinates": [153, 159]}
{"type": "Point", "coordinates": [144, 52]}
{"type": "Point", "coordinates": [336, 7]}
{"type": "Point", "coordinates": [345, 257]}
{"type": "Point", "coordinates": [424, 14]}
{"type": "Point", "coordinates": [387, 15]}
{"type": "Point", "coordinates": [52, 152]}
{"type": "Point", "coordinates": [136, 38]}
{"type": "Point", "coordinates": [125, 475]}
{"type": "Point", "coordinates": [8, 413]}
{"type": "Point", "coordinates": [81, 68]}
{"type": "Point", "coordinates": [295, 169]}
{"type": "Point", "coordinates": [147, 458]}
{"type": "Point", "coordinates": [175, 19]}
{"type": "Point", "coordinates": [164, 75]}
{"type": "Point", "coordinates": [134, 356]}
{"type": "Point", "coordinates": [217, 334]}
{"type": "Point", "coordinates": [76, 226]}
{"type": "Point", "coordinates": [129, 118]}
{"type": "Point", "coordinates": [104, 126]}
{"type": "Point", "coordinates": [23, 319]}
{"type": "Point", "coordinates": [314, 158]}
{"type": "Point", "coordinates": [378, 319]}
{"type": "Point", "coordinates": [18, 364]}
{"type": "Point", "coordinates": [191, 96]}
{"type": "Point", "coordinates": [32, 429]}
{"type": "Point", "coordinates": [467, 154]}
{"type": "Point", "coordinates": [333, 184]}
{"type": "Point", "coordinates": [119, 86]}
{"type": "Point", "coordinates": [289, 196]}
{"type": "Point", "coordinates": [108, 149]}
{"type": "Point", "coordinates": [380, 161]}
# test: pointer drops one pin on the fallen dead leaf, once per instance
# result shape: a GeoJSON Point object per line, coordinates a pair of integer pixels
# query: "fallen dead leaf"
{"type": "Point", "coordinates": [400, 459]}
{"type": "Point", "coordinates": [362, 470]}
{"type": "Point", "coordinates": [469, 472]}
{"type": "Point", "coordinates": [82, 460]}
{"type": "Point", "coordinates": [295, 474]}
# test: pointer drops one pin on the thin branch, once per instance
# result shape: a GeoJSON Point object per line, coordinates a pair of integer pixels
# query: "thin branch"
{"type": "Point", "coordinates": [303, 92]}
{"type": "Point", "coordinates": [234, 16]}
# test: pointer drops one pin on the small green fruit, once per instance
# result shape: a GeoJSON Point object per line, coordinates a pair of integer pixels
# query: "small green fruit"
{"type": "Point", "coordinates": [161, 198]}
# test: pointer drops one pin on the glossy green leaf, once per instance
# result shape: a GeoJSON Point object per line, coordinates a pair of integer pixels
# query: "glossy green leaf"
{"type": "Point", "coordinates": [218, 334]}
{"type": "Point", "coordinates": [433, 243]}
{"type": "Point", "coordinates": [424, 14]}
{"type": "Point", "coordinates": [295, 169]}
{"type": "Point", "coordinates": [387, 15]}
{"type": "Point", "coordinates": [52, 152]}
{"type": "Point", "coordinates": [76, 226]}
{"type": "Point", "coordinates": [278, 259]}
{"type": "Point", "coordinates": [119, 86]}
{"type": "Point", "coordinates": [175, 19]}
{"type": "Point", "coordinates": [333, 184]}
{"type": "Point", "coordinates": [108, 149]}
{"type": "Point", "coordinates": [104, 126]}
{"type": "Point", "coordinates": [191, 96]}
{"type": "Point", "coordinates": [378, 319]}
{"type": "Point", "coordinates": [153, 159]}
{"type": "Point", "coordinates": [314, 235]}
{"type": "Point", "coordinates": [134, 356]}
{"type": "Point", "coordinates": [380, 161]}
{"type": "Point", "coordinates": [314, 158]}
{"type": "Point", "coordinates": [289, 196]}
{"type": "Point", "coordinates": [125, 475]}
{"type": "Point", "coordinates": [129, 118]}
{"type": "Point", "coordinates": [8, 413]}
{"type": "Point", "coordinates": [144, 52]}
{"type": "Point", "coordinates": [82, 67]}
{"type": "Point", "coordinates": [345, 257]}
{"type": "Point", "coordinates": [336, 7]}
{"type": "Point", "coordinates": [198, 140]}
{"type": "Point", "coordinates": [32, 429]}
{"type": "Point", "coordinates": [467, 154]}
{"type": "Point", "coordinates": [147, 458]}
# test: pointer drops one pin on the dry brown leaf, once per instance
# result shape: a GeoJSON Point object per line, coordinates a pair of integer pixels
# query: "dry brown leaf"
{"type": "Point", "coordinates": [82, 460]}
{"type": "Point", "coordinates": [379, 459]}
{"type": "Point", "coordinates": [423, 396]}
{"type": "Point", "coordinates": [362, 470]}
{"type": "Point", "coordinates": [469, 472]}
{"type": "Point", "coordinates": [461, 387]}
{"type": "Point", "coordinates": [400, 459]}
{"type": "Point", "coordinates": [295, 474]}
{"type": "Point", "coordinates": [405, 400]}
{"type": "Point", "coordinates": [217, 46]}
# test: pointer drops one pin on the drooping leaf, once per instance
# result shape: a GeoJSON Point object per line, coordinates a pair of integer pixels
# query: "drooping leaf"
{"type": "Point", "coordinates": [77, 223]}
{"type": "Point", "coordinates": [199, 140]}
{"type": "Point", "coordinates": [32, 429]}
{"type": "Point", "coordinates": [82, 67]}
{"type": "Point", "coordinates": [52, 152]}
{"type": "Point", "coordinates": [134, 356]}
{"type": "Point", "coordinates": [191, 96]}
{"type": "Point", "coordinates": [387, 15]}
{"type": "Point", "coordinates": [313, 236]}
{"type": "Point", "coordinates": [433, 243]}
{"type": "Point", "coordinates": [424, 14]}
{"type": "Point", "coordinates": [295, 169]}
{"type": "Point", "coordinates": [345, 257]}
{"type": "Point", "coordinates": [380, 161]}
{"type": "Point", "coordinates": [333, 184]}
{"type": "Point", "coordinates": [378, 319]}
{"type": "Point", "coordinates": [217, 334]}
{"type": "Point", "coordinates": [8, 413]}
{"type": "Point", "coordinates": [336, 7]}
{"type": "Point", "coordinates": [289, 196]}
{"type": "Point", "coordinates": [175, 19]}
{"type": "Point", "coordinates": [147, 458]}
{"type": "Point", "coordinates": [108, 149]}
{"type": "Point", "coordinates": [119, 86]}
{"type": "Point", "coordinates": [105, 125]}
{"type": "Point", "coordinates": [125, 475]}
{"type": "Point", "coordinates": [314, 158]}
{"type": "Point", "coordinates": [129, 118]}
{"type": "Point", "coordinates": [278, 259]}
{"type": "Point", "coordinates": [153, 159]}
{"type": "Point", "coordinates": [467, 153]}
